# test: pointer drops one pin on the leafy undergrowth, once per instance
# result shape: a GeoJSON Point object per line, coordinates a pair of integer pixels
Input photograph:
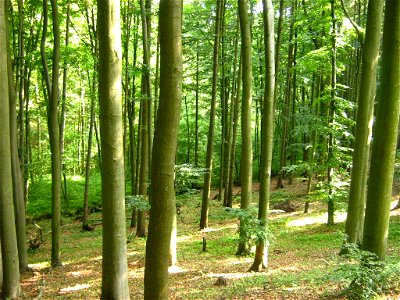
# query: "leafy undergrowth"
{"type": "Point", "coordinates": [302, 255]}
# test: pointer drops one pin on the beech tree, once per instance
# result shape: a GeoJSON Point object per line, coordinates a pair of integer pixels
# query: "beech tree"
{"type": "Point", "coordinates": [162, 196]}
{"type": "Point", "coordinates": [52, 89]}
{"type": "Point", "coordinates": [246, 161]}
{"type": "Point", "coordinates": [359, 174]}
{"type": "Point", "coordinates": [114, 268]}
{"type": "Point", "coordinates": [8, 235]}
{"type": "Point", "coordinates": [210, 136]}
{"type": "Point", "coordinates": [383, 151]}
{"type": "Point", "coordinates": [267, 134]}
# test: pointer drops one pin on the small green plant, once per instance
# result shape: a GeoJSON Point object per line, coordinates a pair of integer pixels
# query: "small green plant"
{"type": "Point", "coordinates": [252, 231]}
{"type": "Point", "coordinates": [188, 178]}
{"type": "Point", "coordinates": [138, 202]}
{"type": "Point", "coordinates": [366, 275]}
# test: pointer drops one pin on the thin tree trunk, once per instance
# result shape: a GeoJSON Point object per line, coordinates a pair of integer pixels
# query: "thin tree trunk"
{"type": "Point", "coordinates": [287, 99]}
{"type": "Point", "coordinates": [196, 142]}
{"type": "Point", "coordinates": [247, 152]}
{"type": "Point", "coordinates": [210, 138]}
{"type": "Point", "coordinates": [331, 119]}
{"type": "Point", "coordinates": [64, 105]}
{"type": "Point", "coordinates": [85, 225]}
{"type": "Point", "coordinates": [230, 148]}
{"type": "Point", "coordinates": [18, 187]}
{"type": "Point", "coordinates": [267, 134]}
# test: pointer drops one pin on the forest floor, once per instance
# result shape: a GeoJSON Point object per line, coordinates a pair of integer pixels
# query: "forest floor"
{"type": "Point", "coordinates": [303, 255]}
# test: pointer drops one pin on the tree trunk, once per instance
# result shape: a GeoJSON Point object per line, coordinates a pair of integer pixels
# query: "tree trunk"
{"type": "Point", "coordinates": [247, 153]}
{"type": "Point", "coordinates": [64, 105]}
{"type": "Point", "coordinates": [358, 185]}
{"type": "Point", "coordinates": [331, 119]}
{"type": "Point", "coordinates": [8, 235]}
{"type": "Point", "coordinates": [18, 182]}
{"type": "Point", "coordinates": [287, 100]}
{"type": "Point", "coordinates": [114, 269]}
{"type": "Point", "coordinates": [234, 137]}
{"type": "Point", "coordinates": [267, 134]}
{"type": "Point", "coordinates": [383, 153]}
{"type": "Point", "coordinates": [210, 137]}
{"type": "Point", "coordinates": [232, 120]}
{"type": "Point", "coordinates": [146, 121]}
{"type": "Point", "coordinates": [163, 163]}
{"type": "Point", "coordinates": [85, 225]}
{"type": "Point", "coordinates": [54, 136]}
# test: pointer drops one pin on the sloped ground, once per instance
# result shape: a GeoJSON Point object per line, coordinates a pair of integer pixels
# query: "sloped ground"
{"type": "Point", "coordinates": [301, 256]}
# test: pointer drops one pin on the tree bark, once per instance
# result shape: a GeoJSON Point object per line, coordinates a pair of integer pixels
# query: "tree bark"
{"type": "Point", "coordinates": [114, 269]}
{"type": "Point", "coordinates": [358, 184]}
{"type": "Point", "coordinates": [17, 175]}
{"type": "Point", "coordinates": [8, 235]}
{"type": "Point", "coordinates": [54, 136]}
{"type": "Point", "coordinates": [163, 162]}
{"type": "Point", "coordinates": [383, 152]}
{"type": "Point", "coordinates": [267, 134]}
{"type": "Point", "coordinates": [247, 152]}
{"type": "Point", "coordinates": [331, 119]}
{"type": "Point", "coordinates": [210, 137]}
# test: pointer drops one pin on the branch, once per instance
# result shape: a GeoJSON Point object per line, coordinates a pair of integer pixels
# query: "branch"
{"type": "Point", "coordinates": [357, 28]}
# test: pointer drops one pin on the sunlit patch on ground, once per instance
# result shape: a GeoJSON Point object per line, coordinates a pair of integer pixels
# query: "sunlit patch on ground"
{"type": "Point", "coordinates": [73, 288]}
{"type": "Point", "coordinates": [176, 270]}
{"type": "Point", "coordinates": [319, 219]}
{"type": "Point", "coordinates": [80, 273]}
{"type": "Point", "coordinates": [39, 265]}
{"type": "Point", "coordinates": [236, 275]}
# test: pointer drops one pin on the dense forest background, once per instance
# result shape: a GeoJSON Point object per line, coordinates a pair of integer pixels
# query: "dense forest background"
{"type": "Point", "coordinates": [291, 105]}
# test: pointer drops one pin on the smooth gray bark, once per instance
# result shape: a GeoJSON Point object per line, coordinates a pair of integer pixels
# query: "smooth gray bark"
{"type": "Point", "coordinates": [114, 268]}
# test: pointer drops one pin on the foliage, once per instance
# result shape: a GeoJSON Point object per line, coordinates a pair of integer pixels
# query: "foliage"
{"type": "Point", "coordinates": [253, 232]}
{"type": "Point", "coordinates": [367, 276]}
{"type": "Point", "coordinates": [138, 202]}
{"type": "Point", "coordinates": [188, 178]}
{"type": "Point", "coordinates": [39, 202]}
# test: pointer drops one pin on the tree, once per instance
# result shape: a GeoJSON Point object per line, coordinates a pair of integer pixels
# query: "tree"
{"type": "Point", "coordinates": [359, 174]}
{"type": "Point", "coordinates": [162, 199]}
{"type": "Point", "coordinates": [247, 152]}
{"type": "Point", "coordinates": [383, 151]}
{"type": "Point", "coordinates": [267, 133]}
{"type": "Point", "coordinates": [52, 89]}
{"type": "Point", "coordinates": [114, 268]}
{"type": "Point", "coordinates": [210, 137]}
{"type": "Point", "coordinates": [8, 235]}
{"type": "Point", "coordinates": [18, 183]}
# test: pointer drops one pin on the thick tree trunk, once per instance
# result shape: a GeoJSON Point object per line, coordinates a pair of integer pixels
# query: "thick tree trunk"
{"type": "Point", "coordinates": [383, 153]}
{"type": "Point", "coordinates": [8, 235]}
{"type": "Point", "coordinates": [163, 163]}
{"type": "Point", "coordinates": [358, 185]}
{"type": "Point", "coordinates": [267, 134]}
{"type": "Point", "coordinates": [247, 152]}
{"type": "Point", "coordinates": [114, 269]}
